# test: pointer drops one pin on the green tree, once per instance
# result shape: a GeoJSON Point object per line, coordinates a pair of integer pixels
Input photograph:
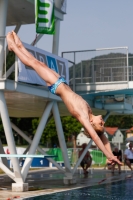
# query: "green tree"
{"type": "Point", "coordinates": [70, 126]}
{"type": "Point", "coordinates": [10, 59]}
{"type": "Point", "coordinates": [24, 124]}
{"type": "Point", "coordinates": [2, 134]}
{"type": "Point", "coordinates": [120, 121]}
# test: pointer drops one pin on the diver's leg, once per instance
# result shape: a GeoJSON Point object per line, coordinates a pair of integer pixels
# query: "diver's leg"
{"type": "Point", "coordinates": [23, 49]}
{"type": "Point", "coordinates": [20, 45]}
{"type": "Point", "coordinates": [43, 71]}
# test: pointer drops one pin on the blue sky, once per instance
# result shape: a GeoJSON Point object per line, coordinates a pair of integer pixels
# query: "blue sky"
{"type": "Point", "coordinates": [89, 24]}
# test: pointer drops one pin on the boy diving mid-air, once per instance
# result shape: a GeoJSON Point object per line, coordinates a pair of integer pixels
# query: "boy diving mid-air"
{"type": "Point", "coordinates": [77, 106]}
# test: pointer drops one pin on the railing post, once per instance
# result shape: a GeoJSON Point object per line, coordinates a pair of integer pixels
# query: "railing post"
{"type": "Point", "coordinates": [3, 16]}
{"type": "Point", "coordinates": [74, 74]}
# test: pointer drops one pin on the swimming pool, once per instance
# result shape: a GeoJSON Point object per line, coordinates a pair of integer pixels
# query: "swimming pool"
{"type": "Point", "coordinates": [122, 190]}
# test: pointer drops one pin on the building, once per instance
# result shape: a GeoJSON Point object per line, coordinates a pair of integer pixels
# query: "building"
{"type": "Point", "coordinates": [82, 138]}
{"type": "Point", "coordinates": [129, 132]}
{"type": "Point", "coordinates": [116, 135]}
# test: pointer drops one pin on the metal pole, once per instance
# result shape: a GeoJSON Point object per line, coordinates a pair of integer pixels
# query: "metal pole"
{"type": "Point", "coordinates": [127, 69]}
{"type": "Point", "coordinates": [3, 15]}
{"type": "Point", "coordinates": [39, 36]}
{"type": "Point", "coordinates": [92, 71]}
{"type": "Point", "coordinates": [4, 160]}
{"type": "Point", "coordinates": [25, 152]}
{"type": "Point", "coordinates": [55, 47]}
{"type": "Point", "coordinates": [7, 171]}
{"type": "Point", "coordinates": [81, 71]}
{"type": "Point", "coordinates": [36, 139]}
{"type": "Point", "coordinates": [9, 136]}
{"type": "Point", "coordinates": [61, 137]}
{"type": "Point", "coordinates": [74, 74]}
{"type": "Point", "coordinates": [82, 156]}
{"type": "Point", "coordinates": [106, 116]}
{"type": "Point", "coordinates": [16, 71]}
{"type": "Point", "coordinates": [38, 148]}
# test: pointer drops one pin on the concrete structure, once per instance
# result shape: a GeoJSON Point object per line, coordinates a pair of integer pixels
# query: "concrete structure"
{"type": "Point", "coordinates": [49, 181]}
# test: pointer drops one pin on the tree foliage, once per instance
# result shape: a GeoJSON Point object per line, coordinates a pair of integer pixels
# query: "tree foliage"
{"type": "Point", "coordinates": [9, 62]}
{"type": "Point", "coordinates": [69, 124]}
{"type": "Point", "coordinates": [120, 121]}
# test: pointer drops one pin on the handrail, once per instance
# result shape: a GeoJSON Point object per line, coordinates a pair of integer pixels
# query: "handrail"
{"type": "Point", "coordinates": [25, 156]}
{"type": "Point", "coordinates": [3, 36]}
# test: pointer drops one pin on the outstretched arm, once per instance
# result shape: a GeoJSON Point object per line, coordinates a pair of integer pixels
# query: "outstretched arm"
{"type": "Point", "coordinates": [106, 143]}
{"type": "Point", "coordinates": [103, 147]}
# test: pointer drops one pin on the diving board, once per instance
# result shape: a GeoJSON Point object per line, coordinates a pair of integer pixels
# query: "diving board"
{"type": "Point", "coordinates": [25, 156]}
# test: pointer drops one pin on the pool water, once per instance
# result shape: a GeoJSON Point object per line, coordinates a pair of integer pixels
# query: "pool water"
{"type": "Point", "coordinates": [122, 190]}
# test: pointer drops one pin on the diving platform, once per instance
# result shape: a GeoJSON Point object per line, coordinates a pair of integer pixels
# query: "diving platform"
{"type": "Point", "coordinates": [26, 100]}
{"type": "Point", "coordinates": [104, 78]}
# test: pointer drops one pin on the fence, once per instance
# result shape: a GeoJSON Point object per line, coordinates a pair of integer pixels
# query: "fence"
{"type": "Point", "coordinates": [99, 65]}
{"type": "Point", "coordinates": [98, 157]}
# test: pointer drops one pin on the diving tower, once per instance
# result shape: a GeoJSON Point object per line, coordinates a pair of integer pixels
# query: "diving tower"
{"type": "Point", "coordinates": [19, 99]}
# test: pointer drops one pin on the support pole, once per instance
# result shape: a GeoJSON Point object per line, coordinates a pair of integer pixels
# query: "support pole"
{"type": "Point", "coordinates": [9, 136]}
{"type": "Point", "coordinates": [107, 116]}
{"type": "Point", "coordinates": [25, 152]}
{"type": "Point", "coordinates": [3, 15]}
{"type": "Point", "coordinates": [4, 160]}
{"type": "Point", "coordinates": [55, 47]}
{"type": "Point", "coordinates": [36, 139]}
{"type": "Point", "coordinates": [61, 137]}
{"type": "Point", "coordinates": [68, 179]}
{"type": "Point", "coordinates": [82, 156]}
{"type": "Point", "coordinates": [39, 36]}
{"type": "Point", "coordinates": [7, 171]}
{"type": "Point", "coordinates": [38, 148]}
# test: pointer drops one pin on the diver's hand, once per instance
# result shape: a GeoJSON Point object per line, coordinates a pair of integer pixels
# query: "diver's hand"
{"type": "Point", "coordinates": [113, 159]}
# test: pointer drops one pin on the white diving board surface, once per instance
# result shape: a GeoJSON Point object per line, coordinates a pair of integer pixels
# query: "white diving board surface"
{"type": "Point", "coordinates": [25, 156]}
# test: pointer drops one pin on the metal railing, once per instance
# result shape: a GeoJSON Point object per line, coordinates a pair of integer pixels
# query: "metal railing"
{"type": "Point", "coordinates": [99, 65]}
{"type": "Point", "coordinates": [98, 158]}
{"type": "Point", "coordinates": [111, 74]}
{"type": "Point", "coordinates": [3, 55]}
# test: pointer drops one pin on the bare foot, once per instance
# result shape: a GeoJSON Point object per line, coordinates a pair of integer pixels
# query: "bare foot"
{"type": "Point", "coordinates": [17, 40]}
{"type": "Point", "coordinates": [10, 41]}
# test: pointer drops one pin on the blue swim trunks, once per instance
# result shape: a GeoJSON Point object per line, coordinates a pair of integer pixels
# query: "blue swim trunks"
{"type": "Point", "coordinates": [53, 87]}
